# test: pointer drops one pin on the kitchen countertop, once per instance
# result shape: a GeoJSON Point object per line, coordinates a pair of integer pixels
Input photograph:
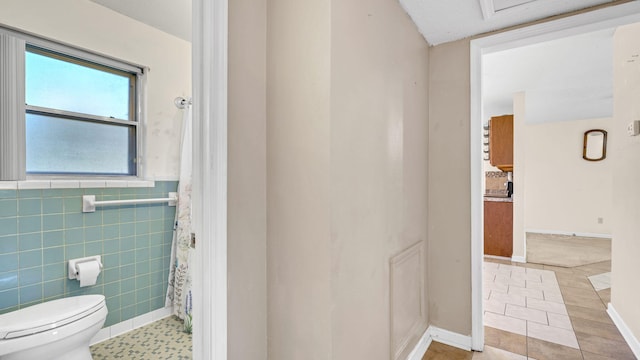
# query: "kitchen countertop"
{"type": "Point", "coordinates": [498, 199]}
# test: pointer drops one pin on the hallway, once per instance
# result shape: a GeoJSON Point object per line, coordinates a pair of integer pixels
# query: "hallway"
{"type": "Point", "coordinates": [545, 312]}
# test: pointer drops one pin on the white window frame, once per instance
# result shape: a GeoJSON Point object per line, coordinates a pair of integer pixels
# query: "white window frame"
{"type": "Point", "coordinates": [138, 119]}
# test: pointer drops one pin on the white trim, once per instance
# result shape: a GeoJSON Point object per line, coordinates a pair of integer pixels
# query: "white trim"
{"type": "Point", "coordinates": [581, 23]}
{"type": "Point", "coordinates": [488, 10]}
{"type": "Point", "coordinates": [122, 327]}
{"type": "Point", "coordinates": [421, 347]}
{"type": "Point", "coordinates": [450, 338]}
{"type": "Point", "coordinates": [434, 333]}
{"type": "Point", "coordinates": [497, 257]}
{"type": "Point", "coordinates": [209, 64]}
{"type": "Point", "coordinates": [627, 334]}
{"type": "Point", "coordinates": [568, 233]}
{"type": "Point", "coordinates": [519, 259]}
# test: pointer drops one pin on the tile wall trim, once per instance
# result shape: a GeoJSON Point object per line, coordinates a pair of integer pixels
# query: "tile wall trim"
{"type": "Point", "coordinates": [633, 342]}
{"type": "Point", "coordinates": [434, 333]}
{"type": "Point", "coordinates": [122, 327]}
{"type": "Point", "coordinates": [74, 184]}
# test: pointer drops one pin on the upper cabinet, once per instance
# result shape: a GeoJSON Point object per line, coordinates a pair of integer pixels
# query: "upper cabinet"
{"type": "Point", "coordinates": [501, 142]}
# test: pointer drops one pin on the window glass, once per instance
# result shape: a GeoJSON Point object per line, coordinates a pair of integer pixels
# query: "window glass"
{"type": "Point", "coordinates": [64, 85]}
{"type": "Point", "coordinates": [58, 145]}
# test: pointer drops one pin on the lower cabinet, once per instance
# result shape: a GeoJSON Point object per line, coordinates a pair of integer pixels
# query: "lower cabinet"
{"type": "Point", "coordinates": [498, 228]}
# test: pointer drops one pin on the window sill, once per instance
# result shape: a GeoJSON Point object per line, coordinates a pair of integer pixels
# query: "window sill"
{"type": "Point", "coordinates": [74, 184]}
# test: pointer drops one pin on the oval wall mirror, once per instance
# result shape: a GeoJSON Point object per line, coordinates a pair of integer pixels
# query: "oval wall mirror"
{"type": "Point", "coordinates": [595, 145]}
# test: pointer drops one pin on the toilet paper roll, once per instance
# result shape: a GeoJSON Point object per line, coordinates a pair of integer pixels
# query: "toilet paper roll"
{"type": "Point", "coordinates": [88, 273]}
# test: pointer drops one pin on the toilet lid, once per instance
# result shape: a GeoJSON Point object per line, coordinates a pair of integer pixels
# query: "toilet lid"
{"type": "Point", "coordinates": [48, 315]}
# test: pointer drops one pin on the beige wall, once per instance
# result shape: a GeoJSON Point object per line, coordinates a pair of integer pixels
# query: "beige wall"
{"type": "Point", "coordinates": [93, 27]}
{"type": "Point", "coordinates": [247, 192]}
{"type": "Point", "coordinates": [449, 187]}
{"type": "Point", "coordinates": [378, 190]}
{"type": "Point", "coordinates": [346, 189]}
{"type": "Point", "coordinates": [298, 179]}
{"type": "Point", "coordinates": [625, 293]}
{"type": "Point", "coordinates": [563, 192]}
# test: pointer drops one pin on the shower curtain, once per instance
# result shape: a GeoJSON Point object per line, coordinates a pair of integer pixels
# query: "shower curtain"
{"type": "Point", "coordinates": [179, 288]}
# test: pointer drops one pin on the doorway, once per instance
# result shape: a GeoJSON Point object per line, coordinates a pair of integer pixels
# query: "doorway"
{"type": "Point", "coordinates": [582, 23]}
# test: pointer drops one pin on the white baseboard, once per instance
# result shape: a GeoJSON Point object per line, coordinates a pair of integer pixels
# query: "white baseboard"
{"type": "Point", "coordinates": [633, 342]}
{"type": "Point", "coordinates": [421, 347]}
{"type": "Point", "coordinates": [131, 324]}
{"type": "Point", "coordinates": [519, 259]}
{"type": "Point", "coordinates": [569, 233]}
{"type": "Point", "coordinates": [447, 337]}
{"type": "Point", "coordinates": [497, 257]}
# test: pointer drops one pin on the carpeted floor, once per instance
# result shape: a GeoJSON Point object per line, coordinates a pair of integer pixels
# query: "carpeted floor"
{"type": "Point", "coordinates": [566, 250]}
{"type": "Point", "coordinates": [163, 339]}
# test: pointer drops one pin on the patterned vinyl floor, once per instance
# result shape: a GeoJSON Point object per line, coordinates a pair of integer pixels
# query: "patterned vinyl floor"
{"type": "Point", "coordinates": [163, 339]}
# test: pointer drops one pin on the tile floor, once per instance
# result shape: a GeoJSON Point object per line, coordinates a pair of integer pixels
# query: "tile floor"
{"type": "Point", "coordinates": [162, 339]}
{"type": "Point", "coordinates": [545, 312]}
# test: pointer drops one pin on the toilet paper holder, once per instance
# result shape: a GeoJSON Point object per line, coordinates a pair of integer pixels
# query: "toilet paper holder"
{"type": "Point", "coordinates": [73, 270]}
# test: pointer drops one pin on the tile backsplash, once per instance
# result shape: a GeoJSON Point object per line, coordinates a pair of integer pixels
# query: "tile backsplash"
{"type": "Point", "coordinates": [41, 229]}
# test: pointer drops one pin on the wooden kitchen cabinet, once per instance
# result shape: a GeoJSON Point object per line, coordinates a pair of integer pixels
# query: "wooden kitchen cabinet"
{"type": "Point", "coordinates": [498, 228]}
{"type": "Point", "coordinates": [501, 142]}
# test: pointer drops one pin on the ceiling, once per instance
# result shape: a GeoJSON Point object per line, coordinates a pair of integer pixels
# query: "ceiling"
{"type": "Point", "coordinates": [564, 79]}
{"type": "Point", "coordinates": [170, 16]}
{"type": "Point", "coordinates": [448, 20]}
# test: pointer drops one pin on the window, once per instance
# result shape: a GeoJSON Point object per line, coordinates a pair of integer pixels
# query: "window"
{"type": "Point", "coordinates": [81, 114]}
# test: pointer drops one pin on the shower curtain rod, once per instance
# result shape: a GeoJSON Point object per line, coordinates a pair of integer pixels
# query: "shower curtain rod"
{"type": "Point", "coordinates": [181, 102]}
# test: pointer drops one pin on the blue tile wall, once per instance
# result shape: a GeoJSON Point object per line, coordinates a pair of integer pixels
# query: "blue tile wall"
{"type": "Point", "coordinates": [41, 229]}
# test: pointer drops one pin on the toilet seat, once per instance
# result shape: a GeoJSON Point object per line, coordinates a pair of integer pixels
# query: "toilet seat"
{"type": "Point", "coordinates": [49, 315]}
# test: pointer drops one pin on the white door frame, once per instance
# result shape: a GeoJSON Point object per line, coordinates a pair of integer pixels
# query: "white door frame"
{"type": "Point", "coordinates": [608, 17]}
{"type": "Point", "coordinates": [209, 72]}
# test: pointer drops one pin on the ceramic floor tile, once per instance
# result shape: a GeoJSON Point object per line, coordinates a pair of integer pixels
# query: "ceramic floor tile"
{"type": "Point", "coordinates": [524, 313]}
{"type": "Point", "coordinates": [605, 347]}
{"type": "Point", "coordinates": [438, 351]}
{"type": "Point", "coordinates": [503, 288]}
{"type": "Point", "coordinates": [508, 298]}
{"type": "Point", "coordinates": [544, 350]}
{"type": "Point", "coordinates": [605, 296]}
{"type": "Point", "coordinates": [491, 353]}
{"type": "Point", "coordinates": [527, 276]}
{"type": "Point", "coordinates": [504, 340]}
{"type": "Point", "coordinates": [505, 323]}
{"type": "Point", "coordinates": [599, 315]}
{"type": "Point", "coordinates": [548, 306]}
{"type": "Point", "coordinates": [529, 293]}
{"type": "Point", "coordinates": [591, 327]}
{"type": "Point", "coordinates": [508, 280]}
{"type": "Point", "coordinates": [553, 296]}
{"type": "Point", "coordinates": [494, 307]}
{"type": "Point", "coordinates": [162, 339]}
{"type": "Point", "coordinates": [552, 334]}
{"type": "Point", "coordinates": [559, 321]}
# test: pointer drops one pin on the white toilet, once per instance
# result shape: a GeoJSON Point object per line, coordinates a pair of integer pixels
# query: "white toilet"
{"type": "Point", "coordinates": [54, 330]}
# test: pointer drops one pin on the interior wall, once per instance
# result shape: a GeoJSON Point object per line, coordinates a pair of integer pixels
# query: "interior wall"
{"type": "Point", "coordinates": [378, 146]}
{"type": "Point", "coordinates": [247, 187]}
{"type": "Point", "coordinates": [625, 294]}
{"type": "Point", "coordinates": [520, 169]}
{"type": "Point", "coordinates": [346, 183]}
{"type": "Point", "coordinates": [298, 179]}
{"type": "Point", "coordinates": [449, 187]}
{"type": "Point", "coordinates": [94, 27]}
{"type": "Point", "coordinates": [563, 192]}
